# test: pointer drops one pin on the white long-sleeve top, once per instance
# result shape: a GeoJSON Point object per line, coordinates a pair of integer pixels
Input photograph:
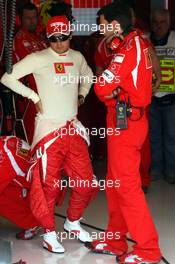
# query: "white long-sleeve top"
{"type": "Point", "coordinates": [60, 78]}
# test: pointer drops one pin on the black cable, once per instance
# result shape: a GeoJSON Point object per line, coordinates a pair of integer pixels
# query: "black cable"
{"type": "Point", "coordinates": [165, 261]}
{"type": "Point", "coordinates": [3, 7]}
{"type": "Point", "coordinates": [9, 37]}
{"type": "Point", "coordinates": [102, 230]}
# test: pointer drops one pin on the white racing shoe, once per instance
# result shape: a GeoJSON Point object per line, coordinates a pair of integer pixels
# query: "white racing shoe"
{"type": "Point", "coordinates": [75, 229]}
{"type": "Point", "coordinates": [51, 243]}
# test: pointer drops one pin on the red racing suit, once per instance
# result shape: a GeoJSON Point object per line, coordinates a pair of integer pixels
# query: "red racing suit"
{"type": "Point", "coordinates": [103, 59]}
{"type": "Point", "coordinates": [14, 162]}
{"type": "Point", "coordinates": [131, 69]}
{"type": "Point", "coordinates": [71, 154]}
{"type": "Point", "coordinates": [24, 44]}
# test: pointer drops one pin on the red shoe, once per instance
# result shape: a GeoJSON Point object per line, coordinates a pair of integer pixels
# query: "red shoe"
{"type": "Point", "coordinates": [132, 258]}
{"type": "Point", "coordinates": [101, 247]}
{"type": "Point", "coordinates": [27, 234]}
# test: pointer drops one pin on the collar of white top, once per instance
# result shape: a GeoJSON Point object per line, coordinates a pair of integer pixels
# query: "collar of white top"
{"type": "Point", "coordinates": [57, 54]}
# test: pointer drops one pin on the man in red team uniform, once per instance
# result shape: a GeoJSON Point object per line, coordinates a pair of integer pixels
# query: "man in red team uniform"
{"type": "Point", "coordinates": [103, 57]}
{"type": "Point", "coordinates": [128, 78]}
{"type": "Point", "coordinates": [26, 41]}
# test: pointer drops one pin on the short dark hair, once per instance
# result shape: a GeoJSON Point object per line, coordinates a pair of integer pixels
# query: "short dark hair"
{"type": "Point", "coordinates": [27, 6]}
{"type": "Point", "coordinates": [118, 11]}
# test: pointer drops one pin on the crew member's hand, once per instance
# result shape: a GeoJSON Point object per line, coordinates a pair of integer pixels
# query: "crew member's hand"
{"type": "Point", "coordinates": [156, 85]}
{"type": "Point", "coordinates": [113, 94]}
{"type": "Point", "coordinates": [38, 107]}
{"type": "Point", "coordinates": [80, 100]}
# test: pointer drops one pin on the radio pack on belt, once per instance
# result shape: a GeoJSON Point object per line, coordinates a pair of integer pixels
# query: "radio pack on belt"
{"type": "Point", "coordinates": [121, 115]}
{"type": "Point", "coordinates": [124, 109]}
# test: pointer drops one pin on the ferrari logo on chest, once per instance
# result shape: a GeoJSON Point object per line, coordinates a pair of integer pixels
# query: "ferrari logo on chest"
{"type": "Point", "coordinates": [59, 68]}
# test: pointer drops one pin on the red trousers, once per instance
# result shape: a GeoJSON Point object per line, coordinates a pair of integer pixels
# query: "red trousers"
{"type": "Point", "coordinates": [16, 208]}
{"type": "Point", "coordinates": [71, 153]}
{"type": "Point", "coordinates": [128, 210]}
{"type": "Point", "coordinates": [14, 162]}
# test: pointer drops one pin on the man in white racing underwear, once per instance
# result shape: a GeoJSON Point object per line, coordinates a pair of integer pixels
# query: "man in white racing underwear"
{"type": "Point", "coordinates": [59, 137]}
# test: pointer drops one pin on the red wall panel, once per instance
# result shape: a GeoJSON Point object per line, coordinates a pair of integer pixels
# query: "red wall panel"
{"type": "Point", "coordinates": [89, 3]}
